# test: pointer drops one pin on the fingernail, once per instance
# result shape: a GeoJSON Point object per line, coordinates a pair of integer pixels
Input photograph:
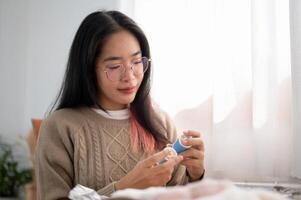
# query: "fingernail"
{"type": "Point", "coordinates": [168, 145]}
{"type": "Point", "coordinates": [166, 151]}
{"type": "Point", "coordinates": [185, 141]}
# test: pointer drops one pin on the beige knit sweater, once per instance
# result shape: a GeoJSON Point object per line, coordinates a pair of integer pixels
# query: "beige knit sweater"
{"type": "Point", "coordinates": [79, 146]}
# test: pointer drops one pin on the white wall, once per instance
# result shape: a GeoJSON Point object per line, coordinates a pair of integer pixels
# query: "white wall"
{"type": "Point", "coordinates": [13, 65]}
{"type": "Point", "coordinates": [35, 37]}
{"type": "Point", "coordinates": [295, 19]}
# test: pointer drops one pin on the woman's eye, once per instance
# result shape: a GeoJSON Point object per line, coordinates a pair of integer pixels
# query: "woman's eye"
{"type": "Point", "coordinates": [137, 62]}
{"type": "Point", "coordinates": [113, 67]}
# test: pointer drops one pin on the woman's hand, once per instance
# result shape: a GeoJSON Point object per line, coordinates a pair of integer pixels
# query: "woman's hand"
{"type": "Point", "coordinates": [193, 158]}
{"type": "Point", "coordinates": [149, 172]}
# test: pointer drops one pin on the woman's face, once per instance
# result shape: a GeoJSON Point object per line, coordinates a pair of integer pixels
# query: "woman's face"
{"type": "Point", "coordinates": [119, 48]}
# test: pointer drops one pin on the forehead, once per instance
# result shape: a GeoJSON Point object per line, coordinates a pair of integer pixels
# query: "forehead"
{"type": "Point", "coordinates": [120, 44]}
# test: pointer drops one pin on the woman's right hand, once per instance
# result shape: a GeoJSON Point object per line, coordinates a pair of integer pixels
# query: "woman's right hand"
{"type": "Point", "coordinates": [149, 173]}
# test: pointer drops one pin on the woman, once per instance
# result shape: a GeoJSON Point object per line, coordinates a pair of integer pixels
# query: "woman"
{"type": "Point", "coordinates": [106, 133]}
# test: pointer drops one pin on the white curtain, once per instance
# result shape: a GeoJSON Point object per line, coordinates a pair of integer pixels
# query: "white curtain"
{"type": "Point", "coordinates": [295, 27]}
{"type": "Point", "coordinates": [223, 67]}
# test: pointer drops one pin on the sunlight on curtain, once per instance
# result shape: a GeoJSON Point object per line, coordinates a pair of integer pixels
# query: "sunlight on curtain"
{"type": "Point", "coordinates": [223, 68]}
{"type": "Point", "coordinates": [295, 33]}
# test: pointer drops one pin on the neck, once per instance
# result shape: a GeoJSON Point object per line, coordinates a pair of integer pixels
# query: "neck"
{"type": "Point", "coordinates": [113, 108]}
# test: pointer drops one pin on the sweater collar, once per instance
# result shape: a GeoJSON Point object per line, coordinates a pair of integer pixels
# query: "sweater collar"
{"type": "Point", "coordinates": [114, 114]}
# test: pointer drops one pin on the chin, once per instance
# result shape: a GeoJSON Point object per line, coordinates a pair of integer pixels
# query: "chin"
{"type": "Point", "coordinates": [127, 101]}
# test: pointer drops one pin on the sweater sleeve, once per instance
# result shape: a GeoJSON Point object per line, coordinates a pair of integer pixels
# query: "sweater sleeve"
{"type": "Point", "coordinates": [54, 161]}
{"type": "Point", "coordinates": [179, 176]}
{"type": "Point", "coordinates": [107, 190]}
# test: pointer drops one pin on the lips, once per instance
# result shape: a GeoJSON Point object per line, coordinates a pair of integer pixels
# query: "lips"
{"type": "Point", "coordinates": [128, 90]}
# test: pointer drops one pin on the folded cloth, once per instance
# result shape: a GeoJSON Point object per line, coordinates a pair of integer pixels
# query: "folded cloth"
{"type": "Point", "coordinates": [201, 190]}
{"type": "Point", "coordinates": [190, 191]}
{"type": "Point", "coordinates": [80, 192]}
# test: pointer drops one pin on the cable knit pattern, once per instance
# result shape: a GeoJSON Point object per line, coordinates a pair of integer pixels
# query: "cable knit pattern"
{"type": "Point", "coordinates": [97, 151]}
{"type": "Point", "coordinates": [82, 164]}
{"type": "Point", "coordinates": [79, 146]}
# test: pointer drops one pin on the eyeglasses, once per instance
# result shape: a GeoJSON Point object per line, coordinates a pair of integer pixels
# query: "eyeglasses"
{"type": "Point", "coordinates": [115, 72]}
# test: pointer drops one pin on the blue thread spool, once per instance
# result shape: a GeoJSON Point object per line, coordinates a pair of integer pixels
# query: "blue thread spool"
{"type": "Point", "coordinates": [178, 146]}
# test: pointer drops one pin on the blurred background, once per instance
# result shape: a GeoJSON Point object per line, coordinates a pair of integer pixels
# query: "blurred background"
{"type": "Point", "coordinates": [230, 69]}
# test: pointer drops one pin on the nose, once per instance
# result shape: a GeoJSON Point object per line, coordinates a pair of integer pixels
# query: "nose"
{"type": "Point", "coordinates": [129, 72]}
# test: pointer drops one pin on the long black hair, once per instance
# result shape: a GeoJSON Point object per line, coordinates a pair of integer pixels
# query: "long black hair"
{"type": "Point", "coordinates": [80, 87]}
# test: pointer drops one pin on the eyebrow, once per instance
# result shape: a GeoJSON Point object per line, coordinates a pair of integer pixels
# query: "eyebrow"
{"type": "Point", "coordinates": [120, 58]}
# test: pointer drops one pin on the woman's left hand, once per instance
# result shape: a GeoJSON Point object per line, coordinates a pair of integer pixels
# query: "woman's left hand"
{"type": "Point", "coordinates": [193, 158]}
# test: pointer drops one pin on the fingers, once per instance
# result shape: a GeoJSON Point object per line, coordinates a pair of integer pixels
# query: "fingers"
{"type": "Point", "coordinates": [195, 142]}
{"type": "Point", "coordinates": [167, 167]}
{"type": "Point", "coordinates": [194, 165]}
{"type": "Point", "coordinates": [173, 161]}
{"type": "Point", "coordinates": [193, 154]}
{"type": "Point", "coordinates": [169, 145]}
{"type": "Point", "coordinates": [192, 133]}
{"type": "Point", "coordinates": [189, 163]}
{"type": "Point", "coordinates": [157, 157]}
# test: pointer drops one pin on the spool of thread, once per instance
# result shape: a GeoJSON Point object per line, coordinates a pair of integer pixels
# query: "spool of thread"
{"type": "Point", "coordinates": [179, 146]}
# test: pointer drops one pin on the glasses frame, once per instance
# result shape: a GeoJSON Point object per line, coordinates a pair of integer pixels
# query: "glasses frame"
{"type": "Point", "coordinates": [147, 60]}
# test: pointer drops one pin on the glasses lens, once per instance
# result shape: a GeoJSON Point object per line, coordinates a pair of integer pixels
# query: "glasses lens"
{"type": "Point", "coordinates": [139, 66]}
{"type": "Point", "coordinates": [115, 72]}
{"type": "Point", "coordinates": [145, 63]}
